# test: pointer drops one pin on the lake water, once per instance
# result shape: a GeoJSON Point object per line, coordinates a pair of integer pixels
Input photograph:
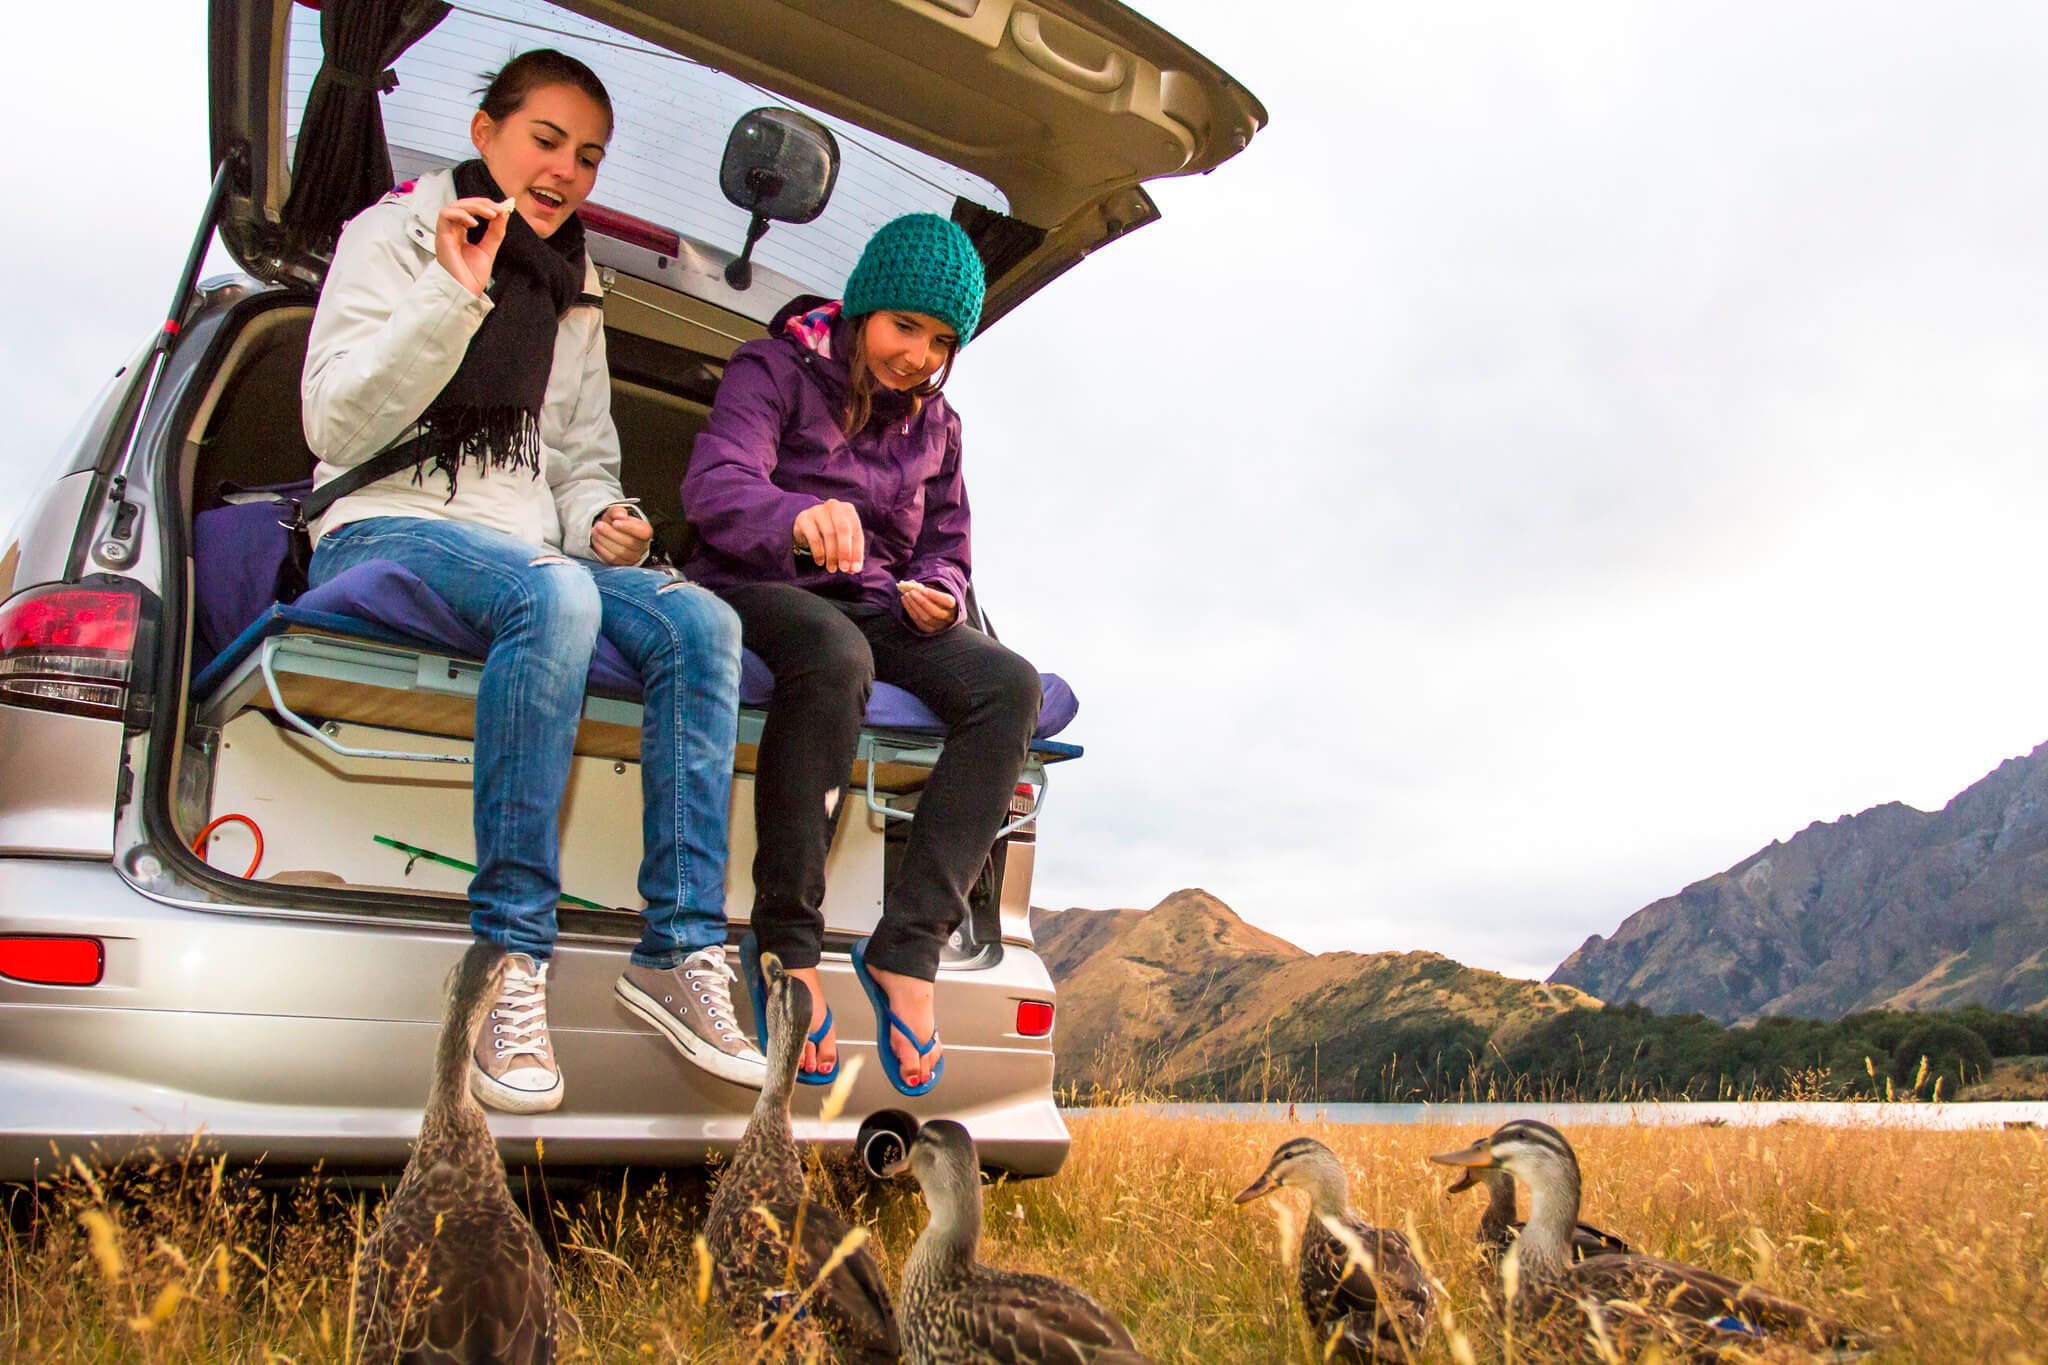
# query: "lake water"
{"type": "Point", "coordinates": [1985, 1114]}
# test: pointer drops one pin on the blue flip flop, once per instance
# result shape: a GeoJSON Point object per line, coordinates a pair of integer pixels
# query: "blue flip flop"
{"type": "Point", "coordinates": [885, 1019]}
{"type": "Point", "coordinates": [757, 990]}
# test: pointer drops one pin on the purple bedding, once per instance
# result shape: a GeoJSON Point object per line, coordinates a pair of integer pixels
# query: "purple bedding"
{"type": "Point", "coordinates": [237, 550]}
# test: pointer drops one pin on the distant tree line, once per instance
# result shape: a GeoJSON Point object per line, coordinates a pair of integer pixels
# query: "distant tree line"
{"type": "Point", "coordinates": [1626, 1049]}
{"type": "Point", "coordinates": [1628, 1052]}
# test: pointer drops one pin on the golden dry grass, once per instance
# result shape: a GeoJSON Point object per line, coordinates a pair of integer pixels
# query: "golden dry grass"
{"type": "Point", "coordinates": [1934, 1240]}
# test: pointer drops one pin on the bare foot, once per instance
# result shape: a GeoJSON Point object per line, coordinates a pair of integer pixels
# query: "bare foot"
{"type": "Point", "coordinates": [912, 1001]}
{"type": "Point", "coordinates": [822, 1056]}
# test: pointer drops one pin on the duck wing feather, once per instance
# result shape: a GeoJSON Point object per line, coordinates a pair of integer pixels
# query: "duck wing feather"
{"type": "Point", "coordinates": [999, 1316]}
{"type": "Point", "coordinates": [454, 1275]}
{"type": "Point", "coordinates": [852, 1305]}
{"type": "Point", "coordinates": [1375, 1309]}
{"type": "Point", "coordinates": [1675, 1290]}
{"type": "Point", "coordinates": [1588, 1240]}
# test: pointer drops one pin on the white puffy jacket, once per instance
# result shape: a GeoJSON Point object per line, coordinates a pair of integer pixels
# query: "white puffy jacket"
{"type": "Point", "coordinates": [389, 332]}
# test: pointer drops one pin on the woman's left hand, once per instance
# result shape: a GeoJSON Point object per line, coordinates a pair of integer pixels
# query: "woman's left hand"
{"type": "Point", "coordinates": [930, 610]}
{"type": "Point", "coordinates": [620, 537]}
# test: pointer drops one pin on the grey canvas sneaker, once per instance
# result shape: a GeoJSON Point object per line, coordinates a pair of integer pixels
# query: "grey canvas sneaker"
{"type": "Point", "coordinates": [691, 1004]}
{"type": "Point", "coordinates": [513, 1068]}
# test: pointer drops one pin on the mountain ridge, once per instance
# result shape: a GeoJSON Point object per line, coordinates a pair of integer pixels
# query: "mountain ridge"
{"type": "Point", "coordinates": [1189, 997]}
{"type": "Point", "coordinates": [1887, 908]}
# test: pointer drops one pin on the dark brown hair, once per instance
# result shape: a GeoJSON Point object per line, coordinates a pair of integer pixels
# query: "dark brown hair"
{"type": "Point", "coordinates": [529, 71]}
{"type": "Point", "coordinates": [860, 386]}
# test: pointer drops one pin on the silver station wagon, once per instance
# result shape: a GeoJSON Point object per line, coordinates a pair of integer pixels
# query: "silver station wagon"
{"type": "Point", "coordinates": [235, 833]}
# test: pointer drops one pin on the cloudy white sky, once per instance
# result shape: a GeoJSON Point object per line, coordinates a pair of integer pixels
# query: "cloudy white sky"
{"type": "Point", "coordinates": [1570, 449]}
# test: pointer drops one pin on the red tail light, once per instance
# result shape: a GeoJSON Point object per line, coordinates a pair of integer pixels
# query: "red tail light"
{"type": "Point", "coordinates": [68, 649]}
{"type": "Point", "coordinates": [53, 961]}
{"type": "Point", "coordinates": [1034, 1018]}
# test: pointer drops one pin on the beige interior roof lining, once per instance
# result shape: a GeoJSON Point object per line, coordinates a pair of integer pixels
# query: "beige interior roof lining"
{"type": "Point", "coordinates": [1067, 106]}
{"type": "Point", "coordinates": [1056, 101]}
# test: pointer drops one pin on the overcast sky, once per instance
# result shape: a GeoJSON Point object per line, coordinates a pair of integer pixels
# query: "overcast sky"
{"type": "Point", "coordinates": [1569, 449]}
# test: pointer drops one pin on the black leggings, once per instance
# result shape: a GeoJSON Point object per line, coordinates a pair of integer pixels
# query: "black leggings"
{"type": "Point", "coordinates": [825, 656]}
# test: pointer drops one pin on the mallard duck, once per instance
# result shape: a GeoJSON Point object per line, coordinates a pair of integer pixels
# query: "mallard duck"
{"type": "Point", "coordinates": [957, 1311]}
{"type": "Point", "coordinates": [1623, 1296]}
{"type": "Point", "coordinates": [761, 1201]}
{"type": "Point", "coordinates": [454, 1272]}
{"type": "Point", "coordinates": [1498, 1226]}
{"type": "Point", "coordinates": [1376, 1311]}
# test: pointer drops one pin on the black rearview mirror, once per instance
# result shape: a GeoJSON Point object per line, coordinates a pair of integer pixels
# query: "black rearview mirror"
{"type": "Point", "coordinates": [780, 167]}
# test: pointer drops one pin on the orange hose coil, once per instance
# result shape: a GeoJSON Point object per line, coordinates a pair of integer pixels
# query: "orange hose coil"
{"type": "Point", "coordinates": [199, 843]}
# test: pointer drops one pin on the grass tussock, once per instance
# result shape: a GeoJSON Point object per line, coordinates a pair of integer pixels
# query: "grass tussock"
{"type": "Point", "coordinates": [1936, 1241]}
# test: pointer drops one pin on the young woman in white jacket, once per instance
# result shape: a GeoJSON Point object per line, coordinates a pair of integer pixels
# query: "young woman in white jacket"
{"type": "Point", "coordinates": [461, 314]}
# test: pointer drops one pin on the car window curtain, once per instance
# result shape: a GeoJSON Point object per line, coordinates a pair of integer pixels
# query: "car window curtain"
{"type": "Point", "coordinates": [342, 162]}
{"type": "Point", "coordinates": [1000, 240]}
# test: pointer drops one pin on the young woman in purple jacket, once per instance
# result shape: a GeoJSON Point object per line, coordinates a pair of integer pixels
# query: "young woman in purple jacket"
{"type": "Point", "coordinates": [827, 496]}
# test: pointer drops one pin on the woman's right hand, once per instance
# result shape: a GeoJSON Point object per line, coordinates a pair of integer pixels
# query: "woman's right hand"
{"type": "Point", "coordinates": [830, 533]}
{"type": "Point", "coordinates": [470, 262]}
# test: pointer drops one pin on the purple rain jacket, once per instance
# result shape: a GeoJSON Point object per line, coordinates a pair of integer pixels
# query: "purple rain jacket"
{"type": "Point", "coordinates": [773, 447]}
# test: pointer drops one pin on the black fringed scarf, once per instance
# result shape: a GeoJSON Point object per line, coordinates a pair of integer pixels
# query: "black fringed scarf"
{"type": "Point", "coordinates": [490, 410]}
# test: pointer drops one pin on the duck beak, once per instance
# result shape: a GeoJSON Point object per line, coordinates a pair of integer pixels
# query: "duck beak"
{"type": "Point", "coordinates": [1479, 1156]}
{"type": "Point", "coordinates": [1465, 1181]}
{"type": "Point", "coordinates": [1259, 1188]}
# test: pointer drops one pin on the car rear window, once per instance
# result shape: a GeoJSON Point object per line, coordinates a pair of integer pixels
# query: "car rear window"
{"type": "Point", "coordinates": [673, 116]}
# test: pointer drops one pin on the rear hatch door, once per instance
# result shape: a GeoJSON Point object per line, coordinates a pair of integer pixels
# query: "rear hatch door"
{"type": "Point", "coordinates": [1046, 115]}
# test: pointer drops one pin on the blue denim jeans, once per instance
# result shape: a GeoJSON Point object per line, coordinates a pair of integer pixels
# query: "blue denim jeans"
{"type": "Point", "coordinates": [542, 614]}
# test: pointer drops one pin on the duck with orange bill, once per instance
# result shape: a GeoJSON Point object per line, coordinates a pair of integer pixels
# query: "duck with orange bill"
{"type": "Point", "coordinates": [1588, 1309]}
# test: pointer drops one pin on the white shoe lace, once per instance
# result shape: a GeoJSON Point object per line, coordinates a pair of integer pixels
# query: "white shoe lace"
{"type": "Point", "coordinates": [708, 978]}
{"type": "Point", "coordinates": [519, 1021]}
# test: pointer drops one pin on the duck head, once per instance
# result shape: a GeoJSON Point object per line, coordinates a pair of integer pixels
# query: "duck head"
{"type": "Point", "coordinates": [1525, 1149]}
{"type": "Point", "coordinates": [942, 1152]}
{"type": "Point", "coordinates": [1303, 1164]}
{"type": "Point", "coordinates": [948, 1172]}
{"type": "Point", "coordinates": [789, 1001]}
{"type": "Point", "coordinates": [789, 1018]}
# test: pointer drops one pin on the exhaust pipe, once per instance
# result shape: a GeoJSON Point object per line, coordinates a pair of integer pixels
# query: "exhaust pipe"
{"type": "Point", "coordinates": [883, 1140]}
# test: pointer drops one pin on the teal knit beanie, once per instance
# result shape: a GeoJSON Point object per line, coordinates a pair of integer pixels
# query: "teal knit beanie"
{"type": "Point", "coordinates": [920, 263]}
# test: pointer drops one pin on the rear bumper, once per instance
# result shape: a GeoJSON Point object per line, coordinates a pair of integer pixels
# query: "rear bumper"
{"type": "Point", "coordinates": [299, 1040]}
{"type": "Point", "coordinates": [54, 1112]}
